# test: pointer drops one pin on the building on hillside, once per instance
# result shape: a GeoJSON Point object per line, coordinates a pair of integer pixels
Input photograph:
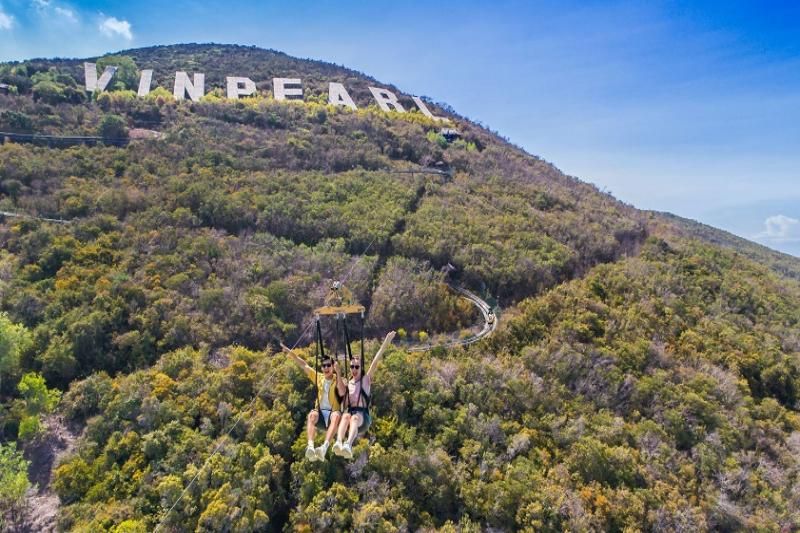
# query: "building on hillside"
{"type": "Point", "coordinates": [5, 88]}
{"type": "Point", "coordinates": [449, 134]}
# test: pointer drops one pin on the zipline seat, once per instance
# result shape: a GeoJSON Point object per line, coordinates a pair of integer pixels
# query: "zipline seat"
{"type": "Point", "coordinates": [329, 310]}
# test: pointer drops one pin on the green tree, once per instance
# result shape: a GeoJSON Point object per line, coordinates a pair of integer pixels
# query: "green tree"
{"type": "Point", "coordinates": [130, 526]}
{"type": "Point", "coordinates": [126, 76]}
{"type": "Point", "coordinates": [72, 479]}
{"type": "Point", "coordinates": [54, 87]}
{"type": "Point", "coordinates": [113, 128]}
{"type": "Point", "coordinates": [13, 480]}
{"type": "Point", "coordinates": [16, 122]}
{"type": "Point", "coordinates": [38, 400]}
{"type": "Point", "coordinates": [49, 92]}
{"type": "Point", "coordinates": [14, 339]}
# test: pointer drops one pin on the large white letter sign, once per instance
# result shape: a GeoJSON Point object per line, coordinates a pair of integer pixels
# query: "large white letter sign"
{"type": "Point", "coordinates": [424, 109]}
{"type": "Point", "coordinates": [338, 95]}
{"type": "Point", "coordinates": [145, 79]}
{"type": "Point", "coordinates": [282, 92]}
{"type": "Point", "coordinates": [90, 74]}
{"type": "Point", "coordinates": [196, 90]}
{"type": "Point", "coordinates": [386, 98]}
{"type": "Point", "coordinates": [240, 87]}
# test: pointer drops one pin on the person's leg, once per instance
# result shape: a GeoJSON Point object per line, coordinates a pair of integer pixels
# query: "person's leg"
{"type": "Point", "coordinates": [333, 424]}
{"type": "Point", "coordinates": [311, 429]}
{"type": "Point", "coordinates": [343, 424]}
{"type": "Point", "coordinates": [311, 425]}
{"type": "Point", "coordinates": [355, 422]}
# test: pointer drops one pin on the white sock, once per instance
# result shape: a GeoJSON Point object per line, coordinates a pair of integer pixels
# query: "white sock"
{"type": "Point", "coordinates": [324, 447]}
{"type": "Point", "coordinates": [310, 443]}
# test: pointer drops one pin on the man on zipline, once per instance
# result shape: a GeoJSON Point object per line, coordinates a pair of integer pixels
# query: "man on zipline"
{"type": "Point", "coordinates": [330, 387]}
{"type": "Point", "coordinates": [359, 388]}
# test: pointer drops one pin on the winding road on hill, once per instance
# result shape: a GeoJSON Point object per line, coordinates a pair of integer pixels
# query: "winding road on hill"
{"type": "Point", "coordinates": [489, 324]}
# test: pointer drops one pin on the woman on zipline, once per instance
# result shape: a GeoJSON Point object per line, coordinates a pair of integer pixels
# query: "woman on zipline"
{"type": "Point", "coordinates": [330, 387]}
{"type": "Point", "coordinates": [359, 388]}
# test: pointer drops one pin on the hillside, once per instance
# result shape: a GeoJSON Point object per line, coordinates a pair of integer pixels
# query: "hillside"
{"type": "Point", "coordinates": [783, 264]}
{"type": "Point", "coordinates": [644, 375]}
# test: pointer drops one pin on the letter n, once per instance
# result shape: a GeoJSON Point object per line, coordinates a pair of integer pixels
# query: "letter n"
{"type": "Point", "coordinates": [183, 86]}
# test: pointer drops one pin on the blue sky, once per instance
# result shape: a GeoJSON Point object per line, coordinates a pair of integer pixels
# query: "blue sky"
{"type": "Point", "coordinates": [688, 107]}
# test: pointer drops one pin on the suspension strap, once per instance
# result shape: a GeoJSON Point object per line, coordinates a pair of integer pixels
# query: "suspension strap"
{"type": "Point", "coordinates": [362, 336]}
{"type": "Point", "coordinates": [348, 354]}
{"type": "Point", "coordinates": [363, 365]}
{"type": "Point", "coordinates": [347, 339]}
{"type": "Point", "coordinates": [320, 355]}
{"type": "Point", "coordinates": [336, 337]}
{"type": "Point", "coordinates": [360, 362]}
{"type": "Point", "coordinates": [345, 400]}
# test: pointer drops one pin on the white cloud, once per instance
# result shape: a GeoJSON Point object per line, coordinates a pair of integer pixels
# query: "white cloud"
{"type": "Point", "coordinates": [781, 229]}
{"type": "Point", "coordinates": [111, 27]}
{"type": "Point", "coordinates": [66, 14]}
{"type": "Point", "coordinates": [54, 13]}
{"type": "Point", "coordinates": [6, 21]}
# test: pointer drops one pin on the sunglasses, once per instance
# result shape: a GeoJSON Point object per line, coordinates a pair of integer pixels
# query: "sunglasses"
{"type": "Point", "coordinates": [327, 365]}
{"type": "Point", "coordinates": [354, 367]}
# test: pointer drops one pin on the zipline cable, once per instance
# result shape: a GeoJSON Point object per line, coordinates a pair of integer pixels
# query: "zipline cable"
{"type": "Point", "coordinates": [252, 402]}
{"type": "Point", "coordinates": [363, 254]}
{"type": "Point", "coordinates": [227, 434]}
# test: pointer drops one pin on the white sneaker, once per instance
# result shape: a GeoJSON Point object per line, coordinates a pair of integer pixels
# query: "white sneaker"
{"type": "Point", "coordinates": [321, 451]}
{"type": "Point", "coordinates": [311, 453]}
{"type": "Point", "coordinates": [347, 451]}
{"type": "Point", "coordinates": [337, 448]}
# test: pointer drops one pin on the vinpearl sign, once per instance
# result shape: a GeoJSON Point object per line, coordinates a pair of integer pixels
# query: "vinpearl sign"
{"type": "Point", "coordinates": [283, 89]}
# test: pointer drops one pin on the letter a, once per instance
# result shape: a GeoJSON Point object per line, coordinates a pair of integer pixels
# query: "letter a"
{"type": "Point", "coordinates": [338, 95]}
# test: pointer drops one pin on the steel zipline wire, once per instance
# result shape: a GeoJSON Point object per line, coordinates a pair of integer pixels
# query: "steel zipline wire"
{"type": "Point", "coordinates": [352, 268]}
{"type": "Point", "coordinates": [223, 440]}
{"type": "Point", "coordinates": [249, 406]}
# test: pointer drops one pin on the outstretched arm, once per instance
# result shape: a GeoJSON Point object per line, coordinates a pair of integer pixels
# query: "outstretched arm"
{"type": "Point", "coordinates": [296, 359]}
{"type": "Point", "coordinates": [386, 342]}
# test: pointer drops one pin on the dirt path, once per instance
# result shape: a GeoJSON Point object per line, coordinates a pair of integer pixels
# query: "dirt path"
{"type": "Point", "coordinates": [42, 503]}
